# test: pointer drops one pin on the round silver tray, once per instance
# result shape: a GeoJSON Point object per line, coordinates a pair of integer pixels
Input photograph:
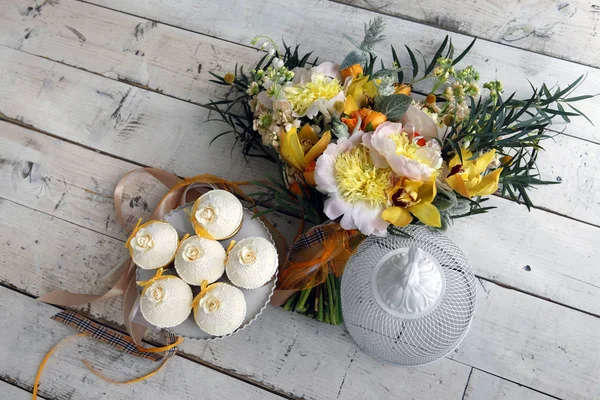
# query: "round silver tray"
{"type": "Point", "coordinates": [256, 299]}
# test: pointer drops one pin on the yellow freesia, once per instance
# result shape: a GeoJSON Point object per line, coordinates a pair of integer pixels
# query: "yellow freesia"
{"type": "Point", "coordinates": [358, 90]}
{"type": "Point", "coordinates": [301, 149]}
{"type": "Point", "coordinates": [412, 198]}
{"type": "Point", "coordinates": [467, 179]}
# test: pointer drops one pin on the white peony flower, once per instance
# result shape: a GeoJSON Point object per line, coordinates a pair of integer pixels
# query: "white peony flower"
{"type": "Point", "coordinates": [390, 146]}
{"type": "Point", "coordinates": [355, 187]}
{"type": "Point", "coordinates": [418, 121]}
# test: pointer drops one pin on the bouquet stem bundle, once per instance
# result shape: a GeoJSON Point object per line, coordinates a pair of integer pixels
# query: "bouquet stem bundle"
{"type": "Point", "coordinates": [321, 302]}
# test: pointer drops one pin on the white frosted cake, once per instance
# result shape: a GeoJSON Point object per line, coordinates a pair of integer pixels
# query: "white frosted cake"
{"type": "Point", "coordinates": [154, 245]}
{"type": "Point", "coordinates": [166, 302]}
{"type": "Point", "coordinates": [252, 262]}
{"type": "Point", "coordinates": [221, 310]}
{"type": "Point", "coordinates": [219, 212]}
{"type": "Point", "coordinates": [200, 259]}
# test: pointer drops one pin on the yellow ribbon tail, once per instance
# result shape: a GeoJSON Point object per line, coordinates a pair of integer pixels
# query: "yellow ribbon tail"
{"type": "Point", "coordinates": [140, 379]}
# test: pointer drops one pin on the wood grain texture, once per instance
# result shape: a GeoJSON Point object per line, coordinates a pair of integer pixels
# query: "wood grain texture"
{"type": "Point", "coordinates": [44, 173]}
{"type": "Point", "coordinates": [516, 336]}
{"type": "Point", "coordinates": [122, 47]}
{"type": "Point", "coordinates": [483, 386]}
{"type": "Point", "coordinates": [324, 22]}
{"type": "Point", "coordinates": [533, 342]}
{"type": "Point", "coordinates": [562, 29]}
{"type": "Point", "coordinates": [145, 127]}
{"type": "Point", "coordinates": [11, 392]}
{"type": "Point", "coordinates": [106, 115]}
{"type": "Point", "coordinates": [28, 334]}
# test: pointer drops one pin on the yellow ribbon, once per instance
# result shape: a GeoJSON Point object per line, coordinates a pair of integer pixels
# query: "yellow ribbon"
{"type": "Point", "coordinates": [157, 277]}
{"type": "Point", "coordinates": [94, 371]}
{"type": "Point", "coordinates": [231, 244]}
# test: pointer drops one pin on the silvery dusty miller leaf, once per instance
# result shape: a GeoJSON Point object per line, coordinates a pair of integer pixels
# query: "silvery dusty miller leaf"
{"type": "Point", "coordinates": [354, 57]}
{"type": "Point", "coordinates": [393, 106]}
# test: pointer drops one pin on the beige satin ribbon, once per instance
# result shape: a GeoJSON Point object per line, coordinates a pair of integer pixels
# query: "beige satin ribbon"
{"type": "Point", "coordinates": [175, 197]}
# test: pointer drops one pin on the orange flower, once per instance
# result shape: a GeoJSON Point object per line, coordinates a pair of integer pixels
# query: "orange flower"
{"type": "Point", "coordinates": [373, 118]}
{"type": "Point", "coordinates": [354, 71]}
{"type": "Point", "coordinates": [430, 99]}
{"type": "Point", "coordinates": [370, 119]}
{"type": "Point", "coordinates": [403, 89]}
{"type": "Point", "coordinates": [295, 188]}
{"type": "Point", "coordinates": [351, 122]}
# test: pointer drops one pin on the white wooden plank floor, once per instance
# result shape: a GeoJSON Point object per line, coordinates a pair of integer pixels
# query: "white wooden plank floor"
{"type": "Point", "coordinates": [90, 90]}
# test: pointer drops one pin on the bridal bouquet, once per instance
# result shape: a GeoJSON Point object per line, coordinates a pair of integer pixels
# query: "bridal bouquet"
{"type": "Point", "coordinates": [361, 152]}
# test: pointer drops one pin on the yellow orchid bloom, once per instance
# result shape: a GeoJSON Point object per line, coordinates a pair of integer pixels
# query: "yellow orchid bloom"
{"type": "Point", "coordinates": [301, 149]}
{"type": "Point", "coordinates": [358, 90]}
{"type": "Point", "coordinates": [413, 198]}
{"type": "Point", "coordinates": [467, 179]}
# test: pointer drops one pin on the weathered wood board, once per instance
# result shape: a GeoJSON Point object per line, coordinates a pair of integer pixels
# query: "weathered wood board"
{"type": "Point", "coordinates": [484, 386]}
{"type": "Point", "coordinates": [562, 29]}
{"type": "Point", "coordinates": [103, 86]}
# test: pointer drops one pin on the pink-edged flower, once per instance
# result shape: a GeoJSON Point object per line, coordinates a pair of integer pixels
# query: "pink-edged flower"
{"type": "Point", "coordinates": [330, 70]}
{"type": "Point", "coordinates": [406, 154]}
{"type": "Point", "coordinates": [356, 189]}
{"type": "Point", "coordinates": [415, 120]}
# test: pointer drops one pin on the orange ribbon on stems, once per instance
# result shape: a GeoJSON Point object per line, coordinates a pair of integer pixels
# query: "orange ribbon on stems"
{"type": "Point", "coordinates": [315, 258]}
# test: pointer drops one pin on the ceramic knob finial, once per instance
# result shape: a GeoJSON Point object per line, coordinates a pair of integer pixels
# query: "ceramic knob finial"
{"type": "Point", "coordinates": [408, 283]}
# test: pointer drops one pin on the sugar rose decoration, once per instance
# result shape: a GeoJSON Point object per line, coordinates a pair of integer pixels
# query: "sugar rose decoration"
{"type": "Point", "coordinates": [192, 252]}
{"type": "Point", "coordinates": [247, 255]}
{"type": "Point", "coordinates": [206, 214]}
{"type": "Point", "coordinates": [209, 304]}
{"type": "Point", "coordinates": [142, 240]}
{"type": "Point", "coordinates": [156, 294]}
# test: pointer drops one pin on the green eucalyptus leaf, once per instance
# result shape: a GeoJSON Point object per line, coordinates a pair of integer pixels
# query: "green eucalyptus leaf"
{"type": "Point", "coordinates": [393, 106]}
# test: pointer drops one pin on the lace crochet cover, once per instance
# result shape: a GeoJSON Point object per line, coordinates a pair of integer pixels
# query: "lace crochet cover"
{"type": "Point", "coordinates": [200, 259]}
{"type": "Point", "coordinates": [227, 316]}
{"type": "Point", "coordinates": [228, 213]}
{"type": "Point", "coordinates": [251, 263]}
{"type": "Point", "coordinates": [167, 302]}
{"type": "Point", "coordinates": [157, 253]}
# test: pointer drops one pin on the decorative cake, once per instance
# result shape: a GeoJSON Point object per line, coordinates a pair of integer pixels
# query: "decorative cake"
{"type": "Point", "coordinates": [219, 213]}
{"type": "Point", "coordinates": [251, 263]}
{"type": "Point", "coordinates": [153, 245]}
{"type": "Point", "coordinates": [219, 309]}
{"type": "Point", "coordinates": [200, 259]}
{"type": "Point", "coordinates": [166, 301]}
